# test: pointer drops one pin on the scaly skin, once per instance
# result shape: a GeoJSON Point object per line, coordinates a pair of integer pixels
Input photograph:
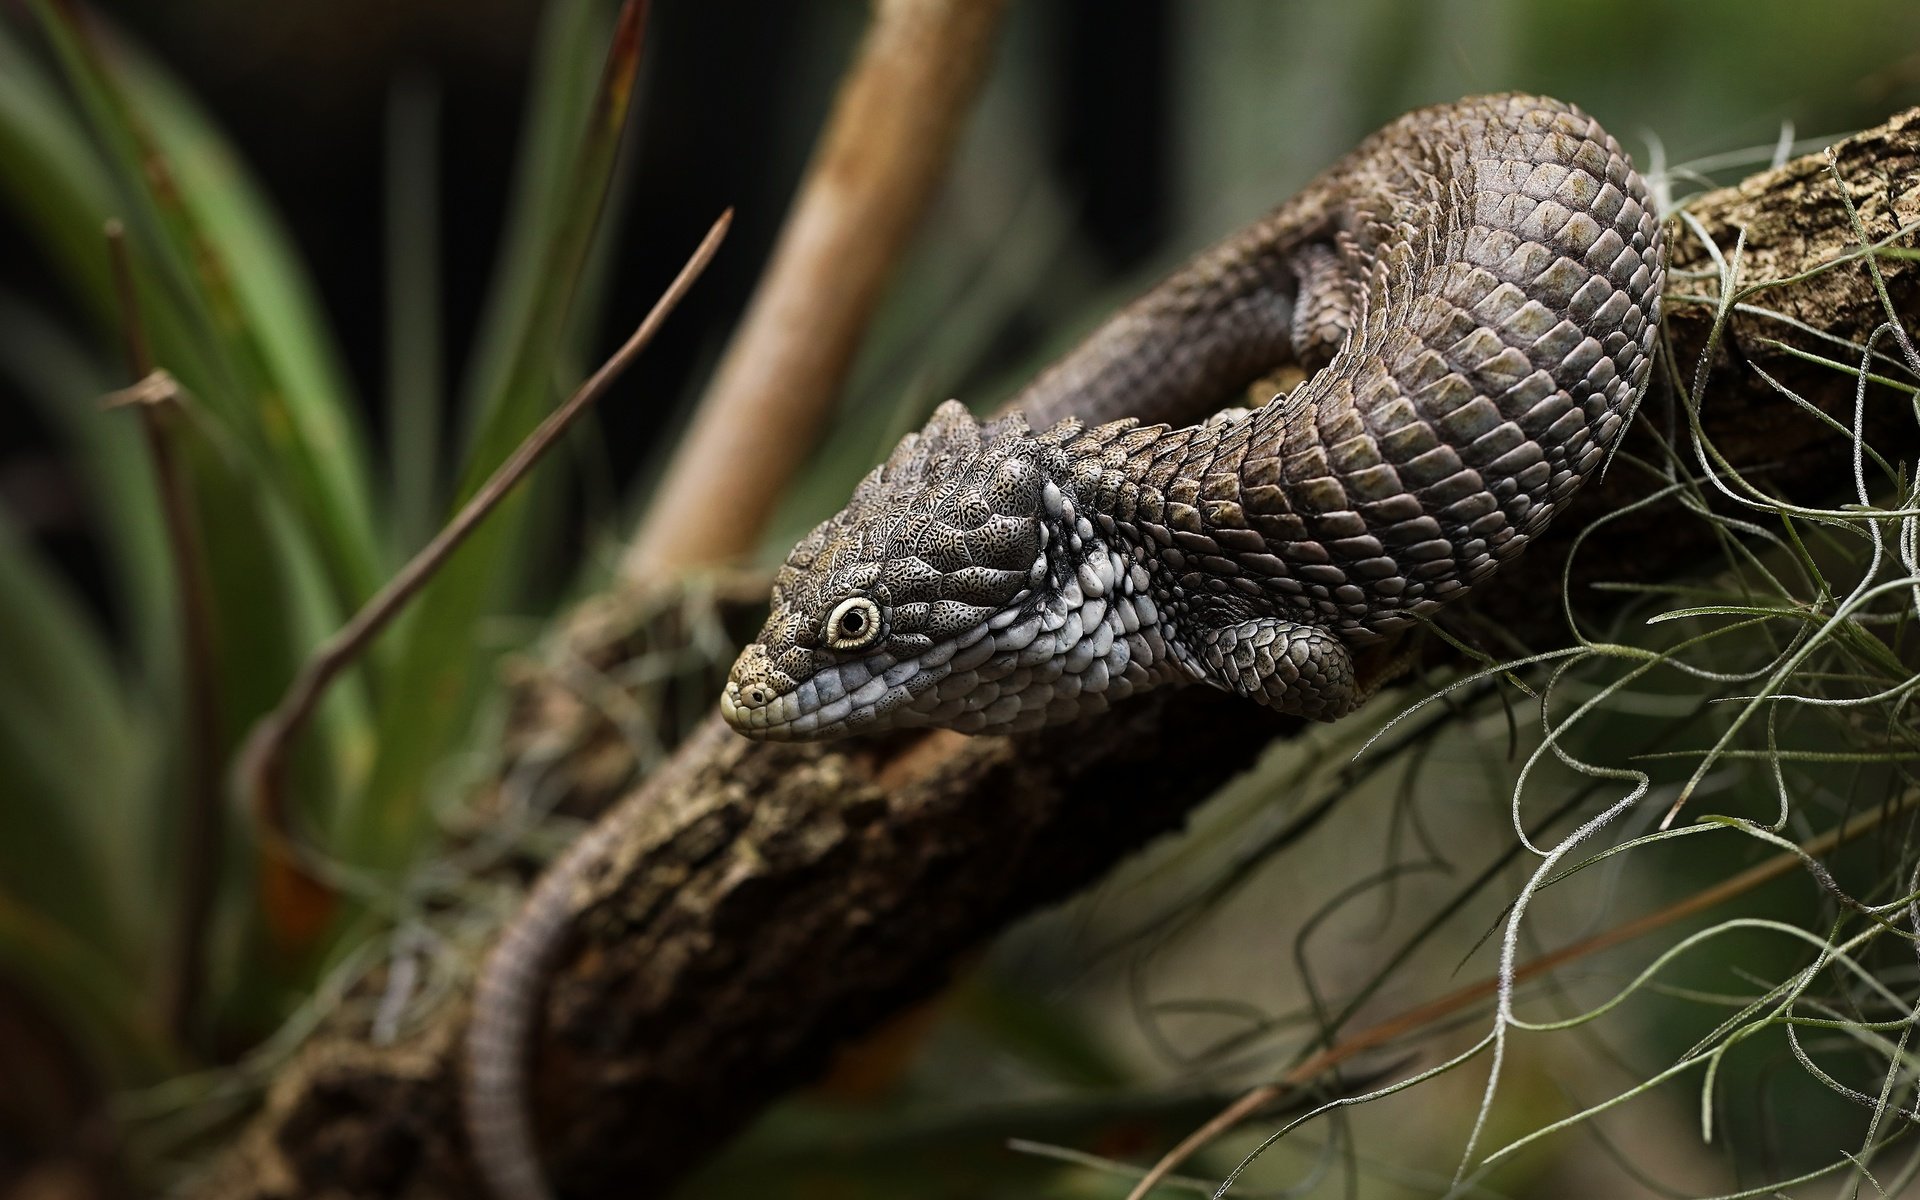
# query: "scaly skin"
{"type": "Point", "coordinates": [1486, 278]}
{"type": "Point", "coordinates": [1479, 287]}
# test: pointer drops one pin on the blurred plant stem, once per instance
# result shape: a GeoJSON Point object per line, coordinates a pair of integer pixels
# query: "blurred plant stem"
{"type": "Point", "coordinates": [262, 766]}
{"type": "Point", "coordinates": [899, 114]}
{"type": "Point", "coordinates": [200, 834]}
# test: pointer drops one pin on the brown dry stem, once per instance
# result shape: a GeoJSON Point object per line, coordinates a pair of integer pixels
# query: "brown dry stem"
{"type": "Point", "coordinates": [156, 398]}
{"type": "Point", "coordinates": [263, 758]}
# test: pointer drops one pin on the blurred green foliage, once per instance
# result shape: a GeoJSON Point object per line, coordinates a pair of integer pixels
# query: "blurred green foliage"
{"type": "Point", "coordinates": [285, 493]}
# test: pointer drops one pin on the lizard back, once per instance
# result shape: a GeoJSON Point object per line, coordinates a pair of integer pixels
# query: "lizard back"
{"type": "Point", "coordinates": [1503, 258]}
{"type": "Point", "coordinates": [1476, 290]}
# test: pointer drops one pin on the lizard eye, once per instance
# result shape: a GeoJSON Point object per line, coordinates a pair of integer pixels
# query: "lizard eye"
{"type": "Point", "coordinates": [854, 624]}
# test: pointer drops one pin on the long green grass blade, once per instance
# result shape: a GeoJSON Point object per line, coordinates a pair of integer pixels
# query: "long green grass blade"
{"type": "Point", "coordinates": [52, 174]}
{"type": "Point", "coordinates": [64, 382]}
{"type": "Point", "coordinates": [198, 224]}
{"type": "Point", "coordinates": [59, 180]}
{"type": "Point", "coordinates": [415, 383]}
{"type": "Point", "coordinates": [560, 101]}
{"type": "Point", "coordinates": [433, 687]}
{"type": "Point", "coordinates": [228, 311]}
{"type": "Point", "coordinates": [91, 995]}
{"type": "Point", "coordinates": [49, 172]}
{"type": "Point", "coordinates": [279, 311]}
{"type": "Point", "coordinates": [78, 766]}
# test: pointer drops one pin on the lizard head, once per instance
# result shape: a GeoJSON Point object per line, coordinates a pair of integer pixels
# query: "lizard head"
{"type": "Point", "coordinates": [883, 615]}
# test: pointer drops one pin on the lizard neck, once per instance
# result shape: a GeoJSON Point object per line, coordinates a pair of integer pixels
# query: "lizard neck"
{"type": "Point", "coordinates": [1112, 558]}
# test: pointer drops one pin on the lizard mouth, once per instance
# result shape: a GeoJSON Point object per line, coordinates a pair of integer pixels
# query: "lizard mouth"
{"type": "Point", "coordinates": [748, 718]}
{"type": "Point", "coordinates": [842, 699]}
{"type": "Point", "coordinates": [862, 695]}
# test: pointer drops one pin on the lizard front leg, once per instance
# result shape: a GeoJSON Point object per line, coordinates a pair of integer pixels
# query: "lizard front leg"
{"type": "Point", "coordinates": [1299, 669]}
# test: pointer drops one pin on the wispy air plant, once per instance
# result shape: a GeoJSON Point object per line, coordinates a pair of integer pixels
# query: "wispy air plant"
{"type": "Point", "coordinates": [1781, 682]}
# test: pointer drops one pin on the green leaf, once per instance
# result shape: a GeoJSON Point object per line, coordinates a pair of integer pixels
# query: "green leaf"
{"type": "Point", "coordinates": [553, 190]}
{"type": "Point", "coordinates": [247, 343]}
{"type": "Point", "coordinates": [64, 383]}
{"type": "Point", "coordinates": [87, 990]}
{"type": "Point", "coordinates": [50, 174]}
{"type": "Point", "coordinates": [53, 174]}
{"type": "Point", "coordinates": [517, 380]}
{"type": "Point", "coordinates": [415, 388]}
{"type": "Point", "coordinates": [276, 302]}
{"type": "Point", "coordinates": [228, 311]}
{"type": "Point", "coordinates": [78, 820]}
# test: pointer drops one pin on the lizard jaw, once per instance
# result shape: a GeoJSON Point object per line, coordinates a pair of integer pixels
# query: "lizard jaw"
{"type": "Point", "coordinates": [1079, 650]}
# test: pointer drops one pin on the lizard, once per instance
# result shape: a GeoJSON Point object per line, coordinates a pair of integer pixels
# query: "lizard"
{"type": "Point", "coordinates": [1474, 292]}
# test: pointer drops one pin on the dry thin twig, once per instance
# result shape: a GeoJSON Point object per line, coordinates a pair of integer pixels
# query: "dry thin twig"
{"type": "Point", "coordinates": [261, 768]}
{"type": "Point", "coordinates": [892, 131]}
{"type": "Point", "coordinates": [1416, 1020]}
{"type": "Point", "coordinates": [156, 397]}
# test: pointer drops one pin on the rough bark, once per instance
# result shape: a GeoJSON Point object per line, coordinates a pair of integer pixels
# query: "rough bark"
{"type": "Point", "coordinates": [780, 900]}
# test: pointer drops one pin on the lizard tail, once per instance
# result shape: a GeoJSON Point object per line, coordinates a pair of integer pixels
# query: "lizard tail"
{"type": "Point", "coordinates": [506, 996]}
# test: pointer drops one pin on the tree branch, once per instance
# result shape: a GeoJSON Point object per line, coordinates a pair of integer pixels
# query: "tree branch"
{"type": "Point", "coordinates": [775, 900]}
